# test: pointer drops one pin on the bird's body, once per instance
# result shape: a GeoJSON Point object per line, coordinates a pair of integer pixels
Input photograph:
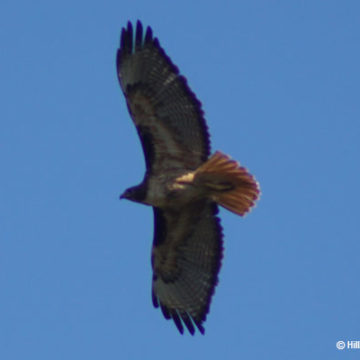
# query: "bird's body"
{"type": "Point", "coordinates": [182, 183]}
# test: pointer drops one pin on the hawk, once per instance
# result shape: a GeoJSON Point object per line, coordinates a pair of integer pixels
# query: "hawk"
{"type": "Point", "coordinates": [183, 183]}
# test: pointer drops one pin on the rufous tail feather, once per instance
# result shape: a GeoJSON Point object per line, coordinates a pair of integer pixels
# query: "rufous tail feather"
{"type": "Point", "coordinates": [228, 183]}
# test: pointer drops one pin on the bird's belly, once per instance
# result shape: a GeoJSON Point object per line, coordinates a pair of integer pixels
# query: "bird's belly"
{"type": "Point", "coordinates": [168, 193]}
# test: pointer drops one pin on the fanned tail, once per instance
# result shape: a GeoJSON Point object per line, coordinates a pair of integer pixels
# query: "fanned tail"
{"type": "Point", "coordinates": [229, 184]}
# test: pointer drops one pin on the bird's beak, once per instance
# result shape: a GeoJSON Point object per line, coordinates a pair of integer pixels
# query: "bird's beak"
{"type": "Point", "coordinates": [123, 195]}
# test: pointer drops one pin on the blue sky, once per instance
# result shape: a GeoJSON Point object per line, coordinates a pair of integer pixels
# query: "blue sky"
{"type": "Point", "coordinates": [279, 82]}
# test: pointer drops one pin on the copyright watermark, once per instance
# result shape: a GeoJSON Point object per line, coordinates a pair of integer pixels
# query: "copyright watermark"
{"type": "Point", "coordinates": [349, 344]}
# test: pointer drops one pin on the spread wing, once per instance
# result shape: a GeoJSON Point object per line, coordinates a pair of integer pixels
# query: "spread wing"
{"type": "Point", "coordinates": [186, 259]}
{"type": "Point", "coordinates": [166, 113]}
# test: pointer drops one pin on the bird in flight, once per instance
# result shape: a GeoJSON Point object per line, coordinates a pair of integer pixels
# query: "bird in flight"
{"type": "Point", "coordinates": [183, 183]}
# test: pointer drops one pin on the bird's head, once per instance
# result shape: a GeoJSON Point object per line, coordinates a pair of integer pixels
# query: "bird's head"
{"type": "Point", "coordinates": [135, 193]}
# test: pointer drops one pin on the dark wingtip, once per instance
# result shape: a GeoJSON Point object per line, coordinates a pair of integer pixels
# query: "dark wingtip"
{"type": "Point", "coordinates": [148, 35]}
{"type": "Point", "coordinates": [165, 311]}
{"type": "Point", "coordinates": [138, 35]}
{"type": "Point", "coordinates": [177, 322]}
{"type": "Point", "coordinates": [200, 327]}
{"type": "Point", "coordinates": [126, 42]}
{"type": "Point", "coordinates": [187, 321]}
{"type": "Point", "coordinates": [129, 43]}
{"type": "Point", "coordinates": [154, 299]}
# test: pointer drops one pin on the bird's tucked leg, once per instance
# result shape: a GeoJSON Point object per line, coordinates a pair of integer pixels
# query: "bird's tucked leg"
{"type": "Point", "coordinates": [227, 183]}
